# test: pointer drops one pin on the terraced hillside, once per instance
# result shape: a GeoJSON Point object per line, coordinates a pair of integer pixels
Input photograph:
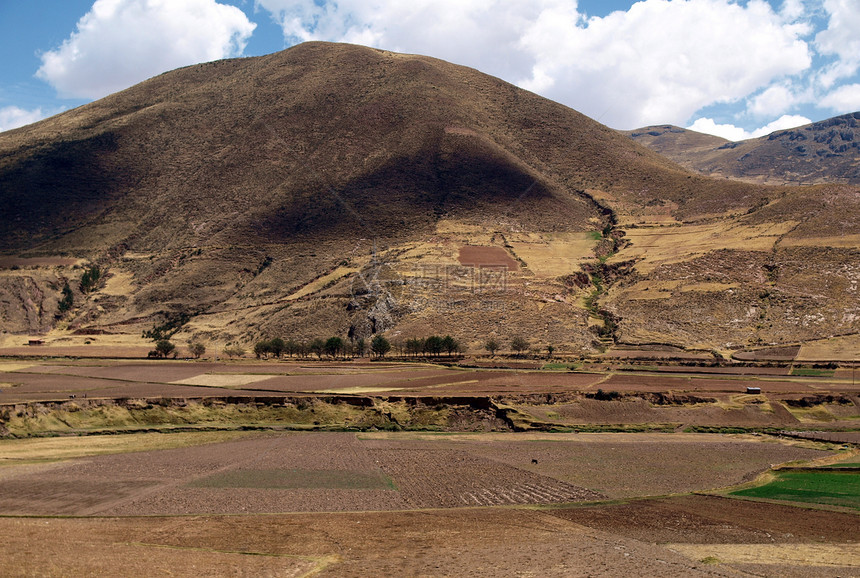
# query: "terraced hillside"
{"type": "Point", "coordinates": [340, 190]}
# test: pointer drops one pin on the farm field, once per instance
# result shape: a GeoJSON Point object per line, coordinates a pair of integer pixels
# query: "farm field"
{"type": "Point", "coordinates": [834, 488]}
{"type": "Point", "coordinates": [49, 378]}
{"type": "Point", "coordinates": [345, 504]}
{"type": "Point", "coordinates": [487, 483]}
{"type": "Point", "coordinates": [80, 395]}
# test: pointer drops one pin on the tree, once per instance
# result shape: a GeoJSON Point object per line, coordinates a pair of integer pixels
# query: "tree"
{"type": "Point", "coordinates": [196, 349]}
{"type": "Point", "coordinates": [492, 346]}
{"type": "Point", "coordinates": [262, 349]}
{"type": "Point", "coordinates": [292, 347]}
{"type": "Point", "coordinates": [163, 348]}
{"type": "Point", "coordinates": [90, 279]}
{"type": "Point", "coordinates": [68, 299]}
{"type": "Point", "coordinates": [317, 347]}
{"type": "Point", "coordinates": [380, 345]}
{"type": "Point", "coordinates": [333, 346]}
{"type": "Point", "coordinates": [549, 351]}
{"type": "Point", "coordinates": [277, 346]}
{"type": "Point", "coordinates": [433, 345]}
{"type": "Point", "coordinates": [360, 346]}
{"type": "Point", "coordinates": [414, 346]}
{"type": "Point", "coordinates": [450, 345]}
{"type": "Point", "coordinates": [519, 344]}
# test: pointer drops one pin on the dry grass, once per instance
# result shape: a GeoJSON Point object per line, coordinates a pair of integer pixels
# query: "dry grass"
{"type": "Point", "coordinates": [322, 282]}
{"type": "Point", "coordinates": [550, 255]}
{"type": "Point", "coordinates": [119, 283]}
{"type": "Point", "coordinates": [802, 554]}
{"type": "Point", "coordinates": [26, 451]}
{"type": "Point", "coordinates": [12, 366]}
{"type": "Point", "coordinates": [659, 245]}
{"type": "Point", "coordinates": [222, 380]}
{"type": "Point", "coordinates": [836, 348]}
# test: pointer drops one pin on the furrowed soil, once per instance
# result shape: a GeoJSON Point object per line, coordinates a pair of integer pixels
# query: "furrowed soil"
{"type": "Point", "coordinates": [379, 502]}
{"type": "Point", "coordinates": [288, 472]}
{"type": "Point", "coordinates": [422, 525]}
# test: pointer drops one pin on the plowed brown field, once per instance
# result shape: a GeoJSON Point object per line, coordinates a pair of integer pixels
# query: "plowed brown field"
{"type": "Point", "coordinates": [426, 489]}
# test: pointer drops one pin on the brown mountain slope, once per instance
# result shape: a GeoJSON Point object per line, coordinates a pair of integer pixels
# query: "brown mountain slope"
{"type": "Point", "coordinates": [823, 152]}
{"type": "Point", "coordinates": [334, 189]}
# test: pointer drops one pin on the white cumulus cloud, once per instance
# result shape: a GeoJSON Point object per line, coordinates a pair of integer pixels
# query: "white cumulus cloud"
{"type": "Point", "coordinates": [840, 39]}
{"type": "Point", "coordinates": [659, 62]}
{"type": "Point", "coordinates": [844, 99]}
{"type": "Point", "coordinates": [776, 99]}
{"type": "Point", "coordinates": [121, 42]}
{"type": "Point", "coordinates": [13, 117]}
{"type": "Point", "coordinates": [735, 133]}
{"type": "Point", "coordinates": [662, 61]}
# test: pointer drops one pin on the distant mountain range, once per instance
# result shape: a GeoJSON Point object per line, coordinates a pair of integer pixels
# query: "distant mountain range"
{"type": "Point", "coordinates": [822, 152]}
{"type": "Point", "coordinates": [332, 189]}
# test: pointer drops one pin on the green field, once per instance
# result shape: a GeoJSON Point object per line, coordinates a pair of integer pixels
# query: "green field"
{"type": "Point", "coordinates": [812, 372]}
{"type": "Point", "coordinates": [297, 479]}
{"type": "Point", "coordinates": [814, 487]}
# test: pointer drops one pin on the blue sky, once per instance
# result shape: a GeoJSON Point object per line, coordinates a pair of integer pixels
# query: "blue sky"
{"type": "Point", "coordinates": [737, 68]}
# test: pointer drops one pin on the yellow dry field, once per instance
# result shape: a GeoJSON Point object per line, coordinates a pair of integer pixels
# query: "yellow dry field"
{"type": "Point", "coordinates": [320, 283]}
{"type": "Point", "coordinates": [658, 245]}
{"type": "Point", "coordinates": [61, 337]}
{"type": "Point", "coordinates": [420, 255]}
{"type": "Point", "coordinates": [809, 554]}
{"type": "Point", "coordinates": [845, 348]}
{"type": "Point", "coordinates": [33, 450]}
{"type": "Point", "coordinates": [550, 255]}
{"type": "Point", "coordinates": [6, 367]}
{"type": "Point", "coordinates": [842, 242]}
{"type": "Point", "coordinates": [118, 283]}
{"type": "Point", "coordinates": [359, 390]}
{"type": "Point", "coordinates": [222, 379]}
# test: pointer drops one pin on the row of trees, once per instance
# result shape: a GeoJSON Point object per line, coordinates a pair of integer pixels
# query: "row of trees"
{"type": "Point", "coordinates": [337, 347]}
{"type": "Point", "coordinates": [433, 345]}
{"type": "Point", "coordinates": [333, 347]}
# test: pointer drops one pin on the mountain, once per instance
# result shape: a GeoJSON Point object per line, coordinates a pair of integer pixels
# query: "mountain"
{"type": "Point", "coordinates": [822, 152]}
{"type": "Point", "coordinates": [333, 189]}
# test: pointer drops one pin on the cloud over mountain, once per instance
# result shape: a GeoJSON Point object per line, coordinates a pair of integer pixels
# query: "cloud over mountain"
{"type": "Point", "coordinates": [121, 42]}
{"type": "Point", "coordinates": [660, 61]}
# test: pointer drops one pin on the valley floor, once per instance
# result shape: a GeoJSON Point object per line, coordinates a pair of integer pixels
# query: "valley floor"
{"type": "Point", "coordinates": [498, 478]}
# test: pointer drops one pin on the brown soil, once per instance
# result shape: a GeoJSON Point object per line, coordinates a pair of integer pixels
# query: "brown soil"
{"type": "Point", "coordinates": [175, 481]}
{"type": "Point", "coordinates": [730, 370]}
{"type": "Point", "coordinates": [465, 542]}
{"type": "Point", "coordinates": [716, 520]}
{"type": "Point", "coordinates": [770, 354]}
{"type": "Point", "coordinates": [641, 538]}
{"type": "Point", "coordinates": [436, 472]}
{"type": "Point", "coordinates": [476, 256]}
{"type": "Point", "coordinates": [624, 382]}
